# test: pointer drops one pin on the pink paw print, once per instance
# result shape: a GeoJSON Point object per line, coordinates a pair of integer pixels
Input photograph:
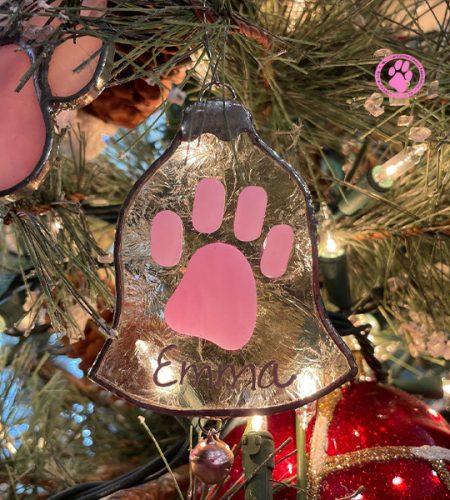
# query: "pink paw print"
{"type": "Point", "coordinates": [401, 75]}
{"type": "Point", "coordinates": [216, 298]}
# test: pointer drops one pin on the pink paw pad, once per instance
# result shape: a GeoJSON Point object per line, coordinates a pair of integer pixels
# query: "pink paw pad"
{"type": "Point", "coordinates": [216, 299]}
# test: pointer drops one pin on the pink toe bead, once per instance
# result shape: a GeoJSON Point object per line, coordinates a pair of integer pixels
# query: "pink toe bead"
{"type": "Point", "coordinates": [209, 206]}
{"type": "Point", "coordinates": [250, 213]}
{"type": "Point", "coordinates": [277, 250]}
{"type": "Point", "coordinates": [166, 238]}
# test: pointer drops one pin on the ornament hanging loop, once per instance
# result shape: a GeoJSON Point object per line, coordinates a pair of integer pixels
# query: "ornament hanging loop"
{"type": "Point", "coordinates": [215, 80]}
{"type": "Point", "coordinates": [225, 86]}
{"type": "Point", "coordinates": [210, 427]}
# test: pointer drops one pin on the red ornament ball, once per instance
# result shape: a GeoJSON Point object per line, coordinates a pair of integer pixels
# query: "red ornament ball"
{"type": "Point", "coordinates": [368, 440]}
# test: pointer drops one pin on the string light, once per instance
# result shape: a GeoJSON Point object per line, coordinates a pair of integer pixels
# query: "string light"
{"type": "Point", "coordinates": [330, 244]}
{"type": "Point", "coordinates": [333, 260]}
{"type": "Point", "coordinates": [385, 175]}
{"type": "Point", "coordinates": [257, 423]}
{"type": "Point", "coordinates": [257, 457]}
{"type": "Point", "coordinates": [381, 178]}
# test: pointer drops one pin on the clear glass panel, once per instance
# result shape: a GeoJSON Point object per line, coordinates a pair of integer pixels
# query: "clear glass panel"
{"type": "Point", "coordinates": [290, 355]}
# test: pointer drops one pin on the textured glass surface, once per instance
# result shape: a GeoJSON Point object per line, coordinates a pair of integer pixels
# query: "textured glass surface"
{"type": "Point", "coordinates": [290, 344]}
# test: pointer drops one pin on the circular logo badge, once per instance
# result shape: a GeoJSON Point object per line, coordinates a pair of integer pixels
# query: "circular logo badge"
{"type": "Point", "coordinates": [400, 75]}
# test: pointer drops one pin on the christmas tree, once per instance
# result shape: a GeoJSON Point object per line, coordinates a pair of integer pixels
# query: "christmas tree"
{"type": "Point", "coordinates": [205, 207]}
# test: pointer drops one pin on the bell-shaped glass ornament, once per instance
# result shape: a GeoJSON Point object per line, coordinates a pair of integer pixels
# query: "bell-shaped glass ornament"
{"type": "Point", "coordinates": [218, 309]}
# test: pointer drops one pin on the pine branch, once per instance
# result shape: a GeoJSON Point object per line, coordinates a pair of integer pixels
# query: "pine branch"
{"type": "Point", "coordinates": [97, 438]}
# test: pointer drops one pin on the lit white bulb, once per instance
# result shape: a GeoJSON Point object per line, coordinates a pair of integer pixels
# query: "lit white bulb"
{"type": "Point", "coordinates": [257, 423]}
{"type": "Point", "coordinates": [330, 245]}
{"type": "Point", "coordinates": [388, 172]}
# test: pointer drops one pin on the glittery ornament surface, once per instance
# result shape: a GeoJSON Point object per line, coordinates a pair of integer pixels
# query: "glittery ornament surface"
{"type": "Point", "coordinates": [366, 439]}
{"type": "Point", "coordinates": [218, 306]}
{"type": "Point", "coordinates": [395, 419]}
{"type": "Point", "coordinates": [394, 479]}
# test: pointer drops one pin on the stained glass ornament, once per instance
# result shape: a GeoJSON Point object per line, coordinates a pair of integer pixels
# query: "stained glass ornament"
{"type": "Point", "coordinates": [70, 76]}
{"type": "Point", "coordinates": [218, 310]}
{"type": "Point", "coordinates": [366, 438]}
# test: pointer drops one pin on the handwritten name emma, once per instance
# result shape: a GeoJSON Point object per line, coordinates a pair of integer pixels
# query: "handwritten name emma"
{"type": "Point", "coordinates": [259, 377]}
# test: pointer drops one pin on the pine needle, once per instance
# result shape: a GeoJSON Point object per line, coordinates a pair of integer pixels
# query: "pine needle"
{"type": "Point", "coordinates": [161, 454]}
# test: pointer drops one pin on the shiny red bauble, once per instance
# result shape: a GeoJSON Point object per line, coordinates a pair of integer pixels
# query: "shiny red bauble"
{"type": "Point", "coordinates": [368, 440]}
